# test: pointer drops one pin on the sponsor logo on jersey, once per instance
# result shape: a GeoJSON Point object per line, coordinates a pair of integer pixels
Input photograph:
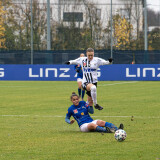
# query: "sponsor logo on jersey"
{"type": "Point", "coordinates": [86, 105]}
{"type": "Point", "coordinates": [75, 111]}
{"type": "Point", "coordinates": [84, 63]}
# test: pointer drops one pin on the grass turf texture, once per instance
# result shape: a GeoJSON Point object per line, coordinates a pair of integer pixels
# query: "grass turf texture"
{"type": "Point", "coordinates": [32, 125]}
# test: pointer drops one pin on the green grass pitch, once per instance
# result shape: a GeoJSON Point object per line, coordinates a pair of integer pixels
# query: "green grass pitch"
{"type": "Point", "coordinates": [32, 125]}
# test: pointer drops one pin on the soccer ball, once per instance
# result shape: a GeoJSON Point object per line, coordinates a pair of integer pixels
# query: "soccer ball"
{"type": "Point", "coordinates": [120, 135]}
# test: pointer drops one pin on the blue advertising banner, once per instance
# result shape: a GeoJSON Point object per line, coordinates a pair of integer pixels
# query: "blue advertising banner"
{"type": "Point", "coordinates": [115, 72]}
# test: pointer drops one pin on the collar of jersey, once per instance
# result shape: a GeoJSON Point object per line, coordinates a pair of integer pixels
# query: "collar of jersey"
{"type": "Point", "coordinates": [77, 106]}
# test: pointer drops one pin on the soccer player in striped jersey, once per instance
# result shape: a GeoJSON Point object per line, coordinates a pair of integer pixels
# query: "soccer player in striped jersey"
{"type": "Point", "coordinates": [90, 65]}
{"type": "Point", "coordinates": [80, 111]}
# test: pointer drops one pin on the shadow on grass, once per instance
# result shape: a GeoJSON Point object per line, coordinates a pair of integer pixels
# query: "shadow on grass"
{"type": "Point", "coordinates": [79, 132]}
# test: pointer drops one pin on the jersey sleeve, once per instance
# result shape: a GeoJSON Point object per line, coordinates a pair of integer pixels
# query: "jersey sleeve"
{"type": "Point", "coordinates": [69, 113]}
{"type": "Point", "coordinates": [89, 108]}
{"type": "Point", "coordinates": [68, 116]}
{"type": "Point", "coordinates": [76, 61]}
{"type": "Point", "coordinates": [101, 61]}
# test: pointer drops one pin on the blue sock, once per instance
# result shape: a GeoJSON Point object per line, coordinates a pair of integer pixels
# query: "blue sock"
{"type": "Point", "coordinates": [110, 125]}
{"type": "Point", "coordinates": [83, 92]}
{"type": "Point", "coordinates": [79, 92]}
{"type": "Point", "coordinates": [100, 129]}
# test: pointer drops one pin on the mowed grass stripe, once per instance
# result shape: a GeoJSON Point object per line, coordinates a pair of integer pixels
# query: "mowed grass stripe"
{"type": "Point", "coordinates": [60, 116]}
{"type": "Point", "coordinates": [37, 133]}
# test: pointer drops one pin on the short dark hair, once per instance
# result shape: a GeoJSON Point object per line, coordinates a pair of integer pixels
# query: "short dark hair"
{"type": "Point", "coordinates": [90, 50]}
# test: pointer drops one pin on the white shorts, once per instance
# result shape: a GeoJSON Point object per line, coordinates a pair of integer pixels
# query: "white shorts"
{"type": "Point", "coordinates": [84, 128]}
{"type": "Point", "coordinates": [79, 79]}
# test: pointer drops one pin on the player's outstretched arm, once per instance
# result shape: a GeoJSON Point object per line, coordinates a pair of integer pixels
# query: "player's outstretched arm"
{"type": "Point", "coordinates": [76, 61]}
{"type": "Point", "coordinates": [90, 109]}
{"type": "Point", "coordinates": [110, 60]}
{"type": "Point", "coordinates": [67, 62]}
{"type": "Point", "coordinates": [67, 120]}
{"type": "Point", "coordinates": [104, 62]}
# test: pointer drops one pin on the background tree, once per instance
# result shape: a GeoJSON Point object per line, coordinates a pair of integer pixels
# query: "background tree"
{"type": "Point", "coordinates": [24, 24]}
{"type": "Point", "coordinates": [2, 28]}
{"type": "Point", "coordinates": [76, 34]}
{"type": "Point", "coordinates": [18, 25]}
{"type": "Point", "coordinates": [129, 11]}
{"type": "Point", "coordinates": [73, 34]}
{"type": "Point", "coordinates": [153, 18]}
{"type": "Point", "coordinates": [122, 30]}
{"type": "Point", "coordinates": [137, 14]}
{"type": "Point", "coordinates": [11, 29]}
{"type": "Point", "coordinates": [154, 39]}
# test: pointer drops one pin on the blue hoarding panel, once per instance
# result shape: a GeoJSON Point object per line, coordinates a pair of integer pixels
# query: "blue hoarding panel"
{"type": "Point", "coordinates": [115, 72]}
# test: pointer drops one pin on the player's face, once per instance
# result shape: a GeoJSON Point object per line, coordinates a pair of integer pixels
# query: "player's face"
{"type": "Point", "coordinates": [75, 100]}
{"type": "Point", "coordinates": [90, 55]}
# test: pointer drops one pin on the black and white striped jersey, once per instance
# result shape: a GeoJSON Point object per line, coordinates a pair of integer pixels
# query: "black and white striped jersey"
{"type": "Point", "coordinates": [89, 68]}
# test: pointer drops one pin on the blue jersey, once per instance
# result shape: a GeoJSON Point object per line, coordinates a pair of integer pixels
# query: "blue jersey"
{"type": "Point", "coordinates": [80, 113]}
{"type": "Point", "coordinates": [79, 71]}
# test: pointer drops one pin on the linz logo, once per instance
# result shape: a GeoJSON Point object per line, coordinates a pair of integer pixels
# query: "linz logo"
{"type": "Point", "coordinates": [143, 72]}
{"type": "Point", "coordinates": [1, 72]}
{"type": "Point", "coordinates": [45, 72]}
{"type": "Point", "coordinates": [52, 72]}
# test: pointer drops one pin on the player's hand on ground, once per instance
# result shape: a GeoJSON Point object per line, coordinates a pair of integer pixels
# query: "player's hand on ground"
{"type": "Point", "coordinates": [72, 121]}
{"type": "Point", "coordinates": [67, 62]}
{"type": "Point", "coordinates": [110, 60]}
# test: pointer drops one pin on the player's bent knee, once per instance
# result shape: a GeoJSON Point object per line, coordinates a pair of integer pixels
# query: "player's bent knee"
{"type": "Point", "coordinates": [101, 123]}
{"type": "Point", "coordinates": [93, 88]}
{"type": "Point", "coordinates": [92, 126]}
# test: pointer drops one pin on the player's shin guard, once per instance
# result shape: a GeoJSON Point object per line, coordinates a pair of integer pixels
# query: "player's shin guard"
{"type": "Point", "coordinates": [94, 94]}
{"type": "Point", "coordinates": [100, 129]}
{"type": "Point", "coordinates": [111, 127]}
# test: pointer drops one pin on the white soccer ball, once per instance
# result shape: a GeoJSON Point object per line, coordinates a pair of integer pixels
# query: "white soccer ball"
{"type": "Point", "coordinates": [120, 135]}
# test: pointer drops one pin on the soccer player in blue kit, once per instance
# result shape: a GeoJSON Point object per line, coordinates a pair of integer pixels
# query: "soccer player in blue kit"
{"type": "Point", "coordinates": [79, 71]}
{"type": "Point", "coordinates": [80, 111]}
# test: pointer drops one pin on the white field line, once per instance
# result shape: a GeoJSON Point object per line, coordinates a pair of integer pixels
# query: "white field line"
{"type": "Point", "coordinates": [13, 86]}
{"type": "Point", "coordinates": [98, 85]}
{"type": "Point", "coordinates": [59, 116]}
{"type": "Point", "coordinates": [111, 84]}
